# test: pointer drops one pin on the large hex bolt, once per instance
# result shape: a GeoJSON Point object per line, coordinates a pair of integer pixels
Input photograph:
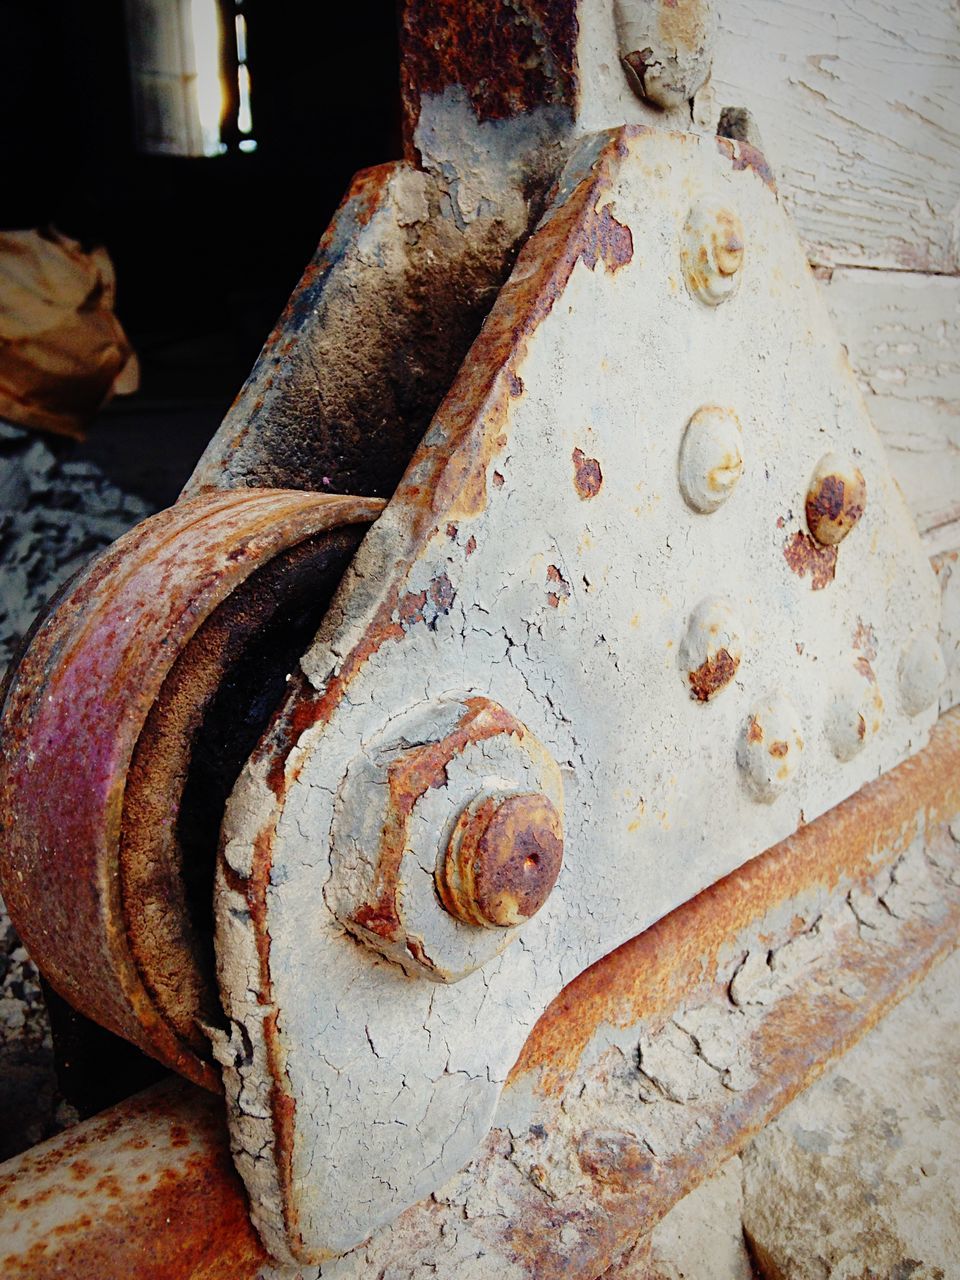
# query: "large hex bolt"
{"type": "Point", "coordinates": [447, 837]}
{"type": "Point", "coordinates": [502, 860]}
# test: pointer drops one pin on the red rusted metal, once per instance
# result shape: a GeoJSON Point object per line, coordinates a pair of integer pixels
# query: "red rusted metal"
{"type": "Point", "coordinates": [175, 1203]}
{"type": "Point", "coordinates": [75, 710]}
{"type": "Point", "coordinates": [506, 59]}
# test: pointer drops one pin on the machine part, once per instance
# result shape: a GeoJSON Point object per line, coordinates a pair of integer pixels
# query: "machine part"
{"type": "Point", "coordinates": [666, 47]}
{"type": "Point", "coordinates": [835, 500]}
{"type": "Point", "coordinates": [571, 1109]}
{"type": "Point", "coordinates": [419, 788]}
{"type": "Point", "coordinates": [124, 726]}
{"type": "Point", "coordinates": [540, 554]}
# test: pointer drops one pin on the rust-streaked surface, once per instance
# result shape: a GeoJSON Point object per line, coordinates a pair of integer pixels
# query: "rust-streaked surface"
{"type": "Point", "coordinates": [666, 965]}
{"type": "Point", "coordinates": [168, 1203]}
{"type": "Point", "coordinates": [506, 58]}
{"type": "Point", "coordinates": [147, 1191]}
{"type": "Point", "coordinates": [74, 711]}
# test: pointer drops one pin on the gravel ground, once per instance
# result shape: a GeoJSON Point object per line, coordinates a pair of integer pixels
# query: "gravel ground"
{"type": "Point", "coordinates": [54, 515]}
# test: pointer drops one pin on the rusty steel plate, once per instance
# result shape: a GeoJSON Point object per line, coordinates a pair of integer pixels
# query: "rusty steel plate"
{"type": "Point", "coordinates": [124, 725]}
{"type": "Point", "coordinates": [567, 1177]}
{"type": "Point", "coordinates": [650, 565]}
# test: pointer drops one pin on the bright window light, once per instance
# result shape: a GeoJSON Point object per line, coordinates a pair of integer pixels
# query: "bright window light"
{"type": "Point", "coordinates": [207, 43]}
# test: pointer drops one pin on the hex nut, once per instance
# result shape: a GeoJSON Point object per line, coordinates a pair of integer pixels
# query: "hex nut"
{"type": "Point", "coordinates": [922, 671]}
{"type": "Point", "coordinates": [770, 747]}
{"type": "Point", "coordinates": [711, 458]}
{"type": "Point", "coordinates": [836, 498]}
{"type": "Point", "coordinates": [464, 766]}
{"type": "Point", "coordinates": [502, 860]}
{"type": "Point", "coordinates": [711, 649]}
{"type": "Point", "coordinates": [711, 252]}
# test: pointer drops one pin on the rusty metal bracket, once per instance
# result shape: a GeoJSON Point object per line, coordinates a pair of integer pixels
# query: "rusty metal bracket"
{"type": "Point", "coordinates": [567, 1178]}
{"type": "Point", "coordinates": [637, 589]}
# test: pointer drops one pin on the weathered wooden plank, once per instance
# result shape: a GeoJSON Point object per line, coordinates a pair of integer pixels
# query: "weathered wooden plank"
{"type": "Point", "coordinates": [902, 333]}
{"type": "Point", "coordinates": [858, 104]}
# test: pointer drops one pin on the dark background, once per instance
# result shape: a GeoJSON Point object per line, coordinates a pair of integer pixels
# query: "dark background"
{"type": "Point", "coordinates": [206, 250]}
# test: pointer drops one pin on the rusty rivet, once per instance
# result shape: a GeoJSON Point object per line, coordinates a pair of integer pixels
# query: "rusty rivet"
{"type": "Point", "coordinates": [770, 747]}
{"type": "Point", "coordinates": [502, 860]}
{"type": "Point", "coordinates": [835, 499]}
{"type": "Point", "coordinates": [922, 670]}
{"type": "Point", "coordinates": [666, 47]}
{"type": "Point", "coordinates": [711, 458]}
{"type": "Point", "coordinates": [711, 649]}
{"type": "Point", "coordinates": [854, 714]}
{"type": "Point", "coordinates": [711, 252]}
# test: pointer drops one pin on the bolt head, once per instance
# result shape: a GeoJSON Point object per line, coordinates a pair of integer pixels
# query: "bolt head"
{"type": "Point", "coordinates": [711, 649]}
{"type": "Point", "coordinates": [711, 252]}
{"type": "Point", "coordinates": [711, 458]}
{"type": "Point", "coordinates": [502, 860]}
{"type": "Point", "coordinates": [836, 499]}
{"type": "Point", "coordinates": [770, 747]}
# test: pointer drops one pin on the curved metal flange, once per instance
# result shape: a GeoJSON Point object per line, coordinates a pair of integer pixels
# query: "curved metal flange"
{"type": "Point", "coordinates": [107, 856]}
{"type": "Point", "coordinates": [655, 609]}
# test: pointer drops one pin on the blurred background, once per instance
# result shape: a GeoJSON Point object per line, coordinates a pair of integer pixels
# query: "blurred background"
{"type": "Point", "coordinates": [204, 144]}
{"type": "Point", "coordinates": [168, 169]}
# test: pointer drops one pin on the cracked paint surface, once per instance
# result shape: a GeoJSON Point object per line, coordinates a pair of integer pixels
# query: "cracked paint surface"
{"type": "Point", "coordinates": [345, 1072]}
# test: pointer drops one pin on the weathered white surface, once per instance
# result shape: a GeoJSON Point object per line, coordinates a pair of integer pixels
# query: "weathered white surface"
{"type": "Point", "coordinates": [701, 1237]}
{"type": "Point", "coordinates": [902, 334]}
{"type": "Point", "coordinates": [393, 1079]}
{"type": "Point", "coordinates": [860, 1176]}
{"type": "Point", "coordinates": [859, 108]}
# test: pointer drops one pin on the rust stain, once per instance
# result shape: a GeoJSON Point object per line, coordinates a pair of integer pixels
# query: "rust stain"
{"type": "Point", "coordinates": [743, 155]}
{"type": "Point", "coordinates": [805, 556]}
{"type": "Point", "coordinates": [678, 956]}
{"type": "Point", "coordinates": [865, 639]}
{"type": "Point", "coordinates": [713, 675]}
{"type": "Point", "coordinates": [865, 669]}
{"type": "Point", "coordinates": [561, 588]}
{"type": "Point", "coordinates": [587, 476]}
{"type": "Point", "coordinates": [778, 749]}
{"type": "Point", "coordinates": [509, 59]}
{"type": "Point", "coordinates": [754, 730]}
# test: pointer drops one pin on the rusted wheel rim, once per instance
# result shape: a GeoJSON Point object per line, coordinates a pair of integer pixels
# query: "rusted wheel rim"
{"type": "Point", "coordinates": [115, 686]}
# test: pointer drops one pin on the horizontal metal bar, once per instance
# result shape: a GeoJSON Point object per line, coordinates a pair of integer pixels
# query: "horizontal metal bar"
{"type": "Point", "coordinates": [797, 954]}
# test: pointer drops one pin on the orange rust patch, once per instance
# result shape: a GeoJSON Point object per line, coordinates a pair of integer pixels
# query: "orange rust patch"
{"type": "Point", "coordinates": [865, 669]}
{"type": "Point", "coordinates": [587, 476]}
{"type": "Point", "coordinates": [745, 156]}
{"type": "Point", "coordinates": [754, 730]}
{"type": "Point", "coordinates": [805, 556]}
{"type": "Point", "coordinates": [865, 638]}
{"type": "Point", "coordinates": [778, 749]}
{"type": "Point", "coordinates": [471, 545]}
{"type": "Point", "coordinates": [713, 675]}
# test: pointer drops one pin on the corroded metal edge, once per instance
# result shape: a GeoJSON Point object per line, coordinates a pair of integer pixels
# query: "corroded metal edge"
{"type": "Point", "coordinates": [175, 1204]}
{"type": "Point", "coordinates": [74, 710]}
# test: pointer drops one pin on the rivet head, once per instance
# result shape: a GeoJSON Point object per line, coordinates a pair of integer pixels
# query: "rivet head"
{"type": "Point", "coordinates": [770, 747]}
{"type": "Point", "coordinates": [711, 252]}
{"type": "Point", "coordinates": [711, 458]}
{"type": "Point", "coordinates": [666, 47]}
{"type": "Point", "coordinates": [854, 714]}
{"type": "Point", "coordinates": [502, 860]}
{"type": "Point", "coordinates": [836, 499]}
{"type": "Point", "coordinates": [711, 649]}
{"type": "Point", "coordinates": [922, 670]}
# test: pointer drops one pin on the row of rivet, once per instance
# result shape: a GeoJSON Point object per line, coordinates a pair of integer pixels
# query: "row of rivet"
{"type": "Point", "coordinates": [771, 742]}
